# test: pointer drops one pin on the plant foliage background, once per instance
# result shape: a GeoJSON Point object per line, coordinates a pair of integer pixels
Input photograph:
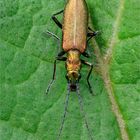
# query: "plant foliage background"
{"type": "Point", "coordinates": [26, 65]}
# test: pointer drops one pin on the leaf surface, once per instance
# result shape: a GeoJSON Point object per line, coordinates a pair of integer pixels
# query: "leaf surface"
{"type": "Point", "coordinates": [26, 66]}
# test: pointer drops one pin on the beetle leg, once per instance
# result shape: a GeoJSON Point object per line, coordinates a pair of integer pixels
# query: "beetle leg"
{"type": "Point", "coordinates": [91, 67]}
{"type": "Point", "coordinates": [91, 33]}
{"type": "Point", "coordinates": [60, 54]}
{"type": "Point", "coordinates": [60, 58]}
{"type": "Point", "coordinates": [47, 32]}
{"type": "Point", "coordinates": [86, 54]}
{"type": "Point", "coordinates": [56, 20]}
{"type": "Point", "coordinates": [90, 29]}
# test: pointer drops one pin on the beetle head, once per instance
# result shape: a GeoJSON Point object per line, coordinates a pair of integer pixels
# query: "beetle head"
{"type": "Point", "coordinates": [73, 78]}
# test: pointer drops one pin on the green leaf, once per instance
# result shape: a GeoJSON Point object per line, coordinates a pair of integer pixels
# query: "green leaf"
{"type": "Point", "coordinates": [26, 66]}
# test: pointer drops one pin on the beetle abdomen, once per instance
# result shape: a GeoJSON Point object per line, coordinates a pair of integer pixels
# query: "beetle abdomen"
{"type": "Point", "coordinates": [75, 25]}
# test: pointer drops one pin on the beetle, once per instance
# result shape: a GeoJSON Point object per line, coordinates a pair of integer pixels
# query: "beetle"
{"type": "Point", "coordinates": [75, 36]}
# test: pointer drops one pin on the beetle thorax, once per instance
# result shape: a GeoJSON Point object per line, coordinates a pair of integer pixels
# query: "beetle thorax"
{"type": "Point", "coordinates": [73, 65]}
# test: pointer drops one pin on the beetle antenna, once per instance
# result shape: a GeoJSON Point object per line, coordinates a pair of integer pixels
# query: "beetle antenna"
{"type": "Point", "coordinates": [65, 112]}
{"type": "Point", "coordinates": [82, 110]}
